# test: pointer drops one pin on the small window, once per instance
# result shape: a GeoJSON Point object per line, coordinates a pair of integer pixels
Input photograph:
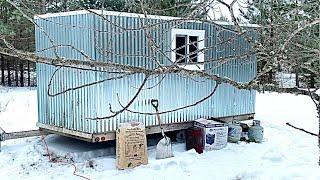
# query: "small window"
{"type": "Point", "coordinates": [187, 48]}
{"type": "Point", "coordinates": [193, 48]}
{"type": "Point", "coordinates": [181, 49]}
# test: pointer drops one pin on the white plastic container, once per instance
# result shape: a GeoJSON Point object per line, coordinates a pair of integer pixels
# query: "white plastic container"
{"type": "Point", "coordinates": [215, 134]}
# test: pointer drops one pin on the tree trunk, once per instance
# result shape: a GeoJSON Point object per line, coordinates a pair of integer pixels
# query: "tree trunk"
{"type": "Point", "coordinates": [318, 109]}
{"type": "Point", "coordinates": [312, 81]}
{"type": "Point", "coordinates": [297, 78]}
{"type": "Point", "coordinates": [270, 73]}
{"type": "Point", "coordinates": [43, 6]}
{"type": "Point", "coordinates": [64, 5]}
{"type": "Point", "coordinates": [16, 69]}
{"type": "Point", "coordinates": [2, 70]}
{"type": "Point", "coordinates": [9, 73]}
{"type": "Point", "coordinates": [21, 74]}
{"type": "Point", "coordinates": [28, 69]}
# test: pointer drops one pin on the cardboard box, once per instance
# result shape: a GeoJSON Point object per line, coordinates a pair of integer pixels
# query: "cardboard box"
{"type": "Point", "coordinates": [215, 134]}
{"type": "Point", "coordinates": [131, 143]}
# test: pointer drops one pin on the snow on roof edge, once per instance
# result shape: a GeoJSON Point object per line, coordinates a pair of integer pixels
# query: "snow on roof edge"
{"type": "Point", "coordinates": [115, 13]}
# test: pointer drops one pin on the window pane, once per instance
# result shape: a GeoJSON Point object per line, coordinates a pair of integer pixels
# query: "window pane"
{"type": "Point", "coordinates": [181, 49]}
{"type": "Point", "coordinates": [193, 48]}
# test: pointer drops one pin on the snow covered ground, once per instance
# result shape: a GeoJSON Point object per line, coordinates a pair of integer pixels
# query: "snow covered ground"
{"type": "Point", "coordinates": [18, 109]}
{"type": "Point", "coordinates": [286, 153]}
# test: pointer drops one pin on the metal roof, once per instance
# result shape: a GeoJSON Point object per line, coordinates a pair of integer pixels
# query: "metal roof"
{"type": "Point", "coordinates": [125, 14]}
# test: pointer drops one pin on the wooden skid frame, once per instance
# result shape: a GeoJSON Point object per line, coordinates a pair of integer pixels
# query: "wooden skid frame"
{"type": "Point", "coordinates": [21, 134]}
{"type": "Point", "coordinates": [93, 137]}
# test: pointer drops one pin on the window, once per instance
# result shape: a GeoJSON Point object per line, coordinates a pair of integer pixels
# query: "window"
{"type": "Point", "coordinates": [187, 48]}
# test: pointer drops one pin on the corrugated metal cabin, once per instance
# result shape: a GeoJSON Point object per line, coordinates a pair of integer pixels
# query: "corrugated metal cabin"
{"type": "Point", "coordinates": [101, 35]}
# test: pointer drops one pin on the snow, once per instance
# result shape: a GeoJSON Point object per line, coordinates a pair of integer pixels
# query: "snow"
{"type": "Point", "coordinates": [286, 80]}
{"type": "Point", "coordinates": [18, 109]}
{"type": "Point", "coordinates": [285, 153]}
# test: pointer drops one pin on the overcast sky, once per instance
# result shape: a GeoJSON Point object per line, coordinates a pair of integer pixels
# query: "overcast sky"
{"type": "Point", "coordinates": [218, 9]}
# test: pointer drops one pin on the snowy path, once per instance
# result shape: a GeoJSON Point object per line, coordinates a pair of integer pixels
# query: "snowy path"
{"type": "Point", "coordinates": [286, 153]}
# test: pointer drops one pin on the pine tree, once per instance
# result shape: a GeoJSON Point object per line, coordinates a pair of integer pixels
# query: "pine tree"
{"type": "Point", "coordinates": [279, 19]}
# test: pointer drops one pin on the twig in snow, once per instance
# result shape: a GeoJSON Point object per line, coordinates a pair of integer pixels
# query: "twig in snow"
{"type": "Point", "coordinates": [314, 134]}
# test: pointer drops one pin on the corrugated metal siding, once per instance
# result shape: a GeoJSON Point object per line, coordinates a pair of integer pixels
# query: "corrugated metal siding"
{"type": "Point", "coordinates": [97, 38]}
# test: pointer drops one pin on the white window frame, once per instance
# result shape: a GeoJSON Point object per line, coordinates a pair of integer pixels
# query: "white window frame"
{"type": "Point", "coordinates": [189, 32]}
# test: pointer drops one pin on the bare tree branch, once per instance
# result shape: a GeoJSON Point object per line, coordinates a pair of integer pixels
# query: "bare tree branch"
{"type": "Point", "coordinates": [308, 132]}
